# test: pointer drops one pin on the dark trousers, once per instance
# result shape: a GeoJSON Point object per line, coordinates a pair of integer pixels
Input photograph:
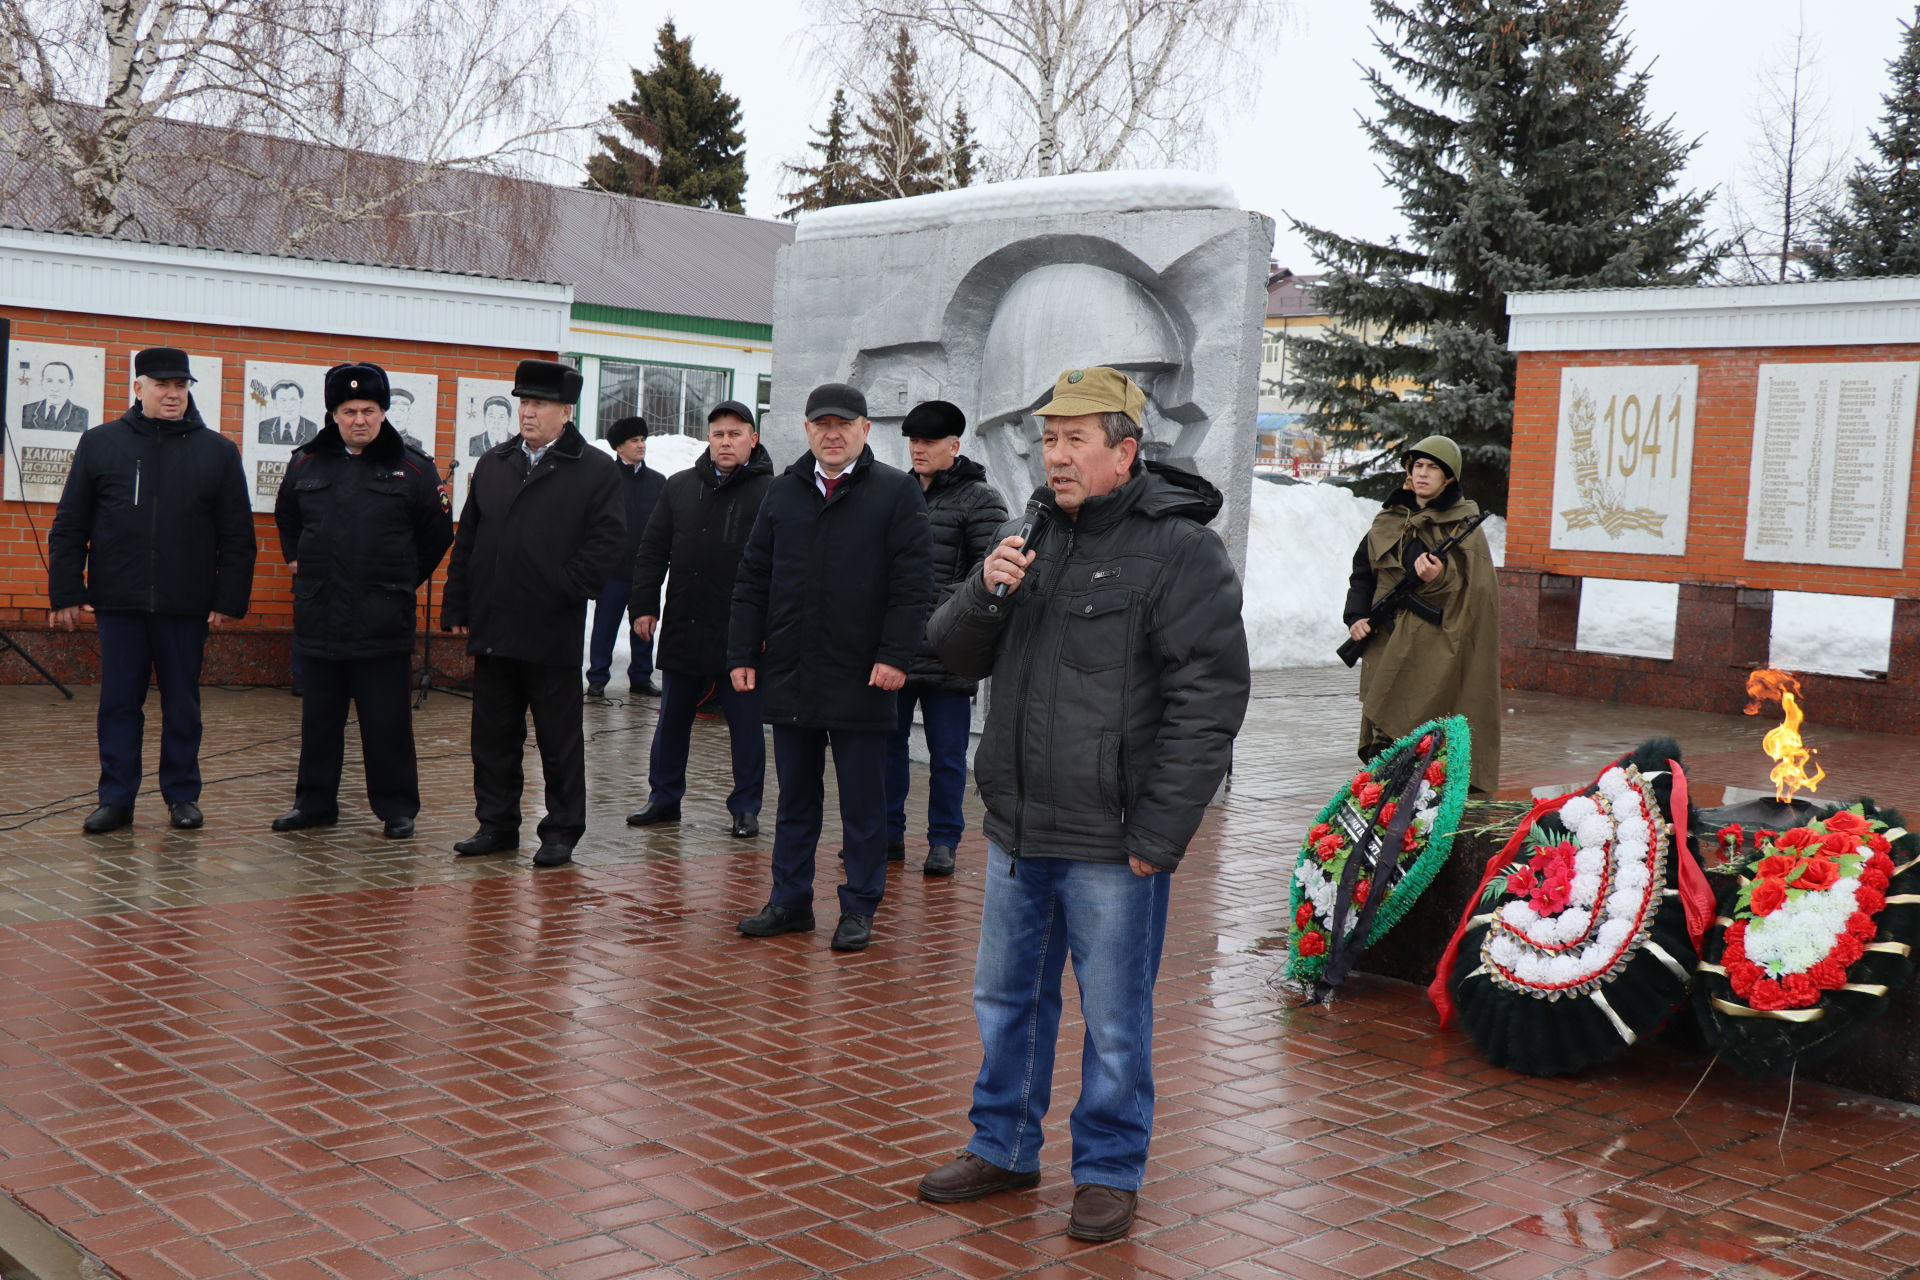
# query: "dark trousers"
{"type": "Point", "coordinates": [504, 691]}
{"type": "Point", "coordinates": [680, 696]}
{"type": "Point", "coordinates": [946, 718]}
{"type": "Point", "coordinates": [860, 768]}
{"type": "Point", "coordinates": [135, 648]}
{"type": "Point", "coordinates": [609, 615]}
{"type": "Point", "coordinates": [381, 693]}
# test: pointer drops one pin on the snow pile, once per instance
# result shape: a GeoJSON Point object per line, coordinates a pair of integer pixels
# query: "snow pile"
{"type": "Point", "coordinates": [1843, 635]}
{"type": "Point", "coordinates": [1111, 192]}
{"type": "Point", "coordinates": [1619, 616]}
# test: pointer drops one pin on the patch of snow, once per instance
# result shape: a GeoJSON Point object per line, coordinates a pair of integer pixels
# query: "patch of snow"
{"type": "Point", "coordinates": [1115, 191]}
{"type": "Point", "coordinates": [1841, 635]}
{"type": "Point", "coordinates": [1618, 615]}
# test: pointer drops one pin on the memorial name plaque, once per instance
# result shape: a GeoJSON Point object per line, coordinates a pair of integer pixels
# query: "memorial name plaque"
{"type": "Point", "coordinates": [1623, 463]}
{"type": "Point", "coordinates": [1832, 455]}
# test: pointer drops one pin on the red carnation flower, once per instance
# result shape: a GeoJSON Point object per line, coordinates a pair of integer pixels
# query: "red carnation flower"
{"type": "Point", "coordinates": [1838, 844]}
{"type": "Point", "coordinates": [1828, 975]}
{"type": "Point", "coordinates": [1879, 843]}
{"type": "Point", "coordinates": [1741, 978]}
{"type": "Point", "coordinates": [1317, 830]}
{"type": "Point", "coordinates": [1873, 878]}
{"type": "Point", "coordinates": [1817, 874]}
{"type": "Point", "coordinates": [1313, 943]}
{"type": "Point", "coordinates": [1800, 991]}
{"type": "Point", "coordinates": [1370, 795]}
{"type": "Point", "coordinates": [1304, 916]}
{"type": "Point", "coordinates": [1767, 996]}
{"type": "Point", "coordinates": [1870, 901]}
{"type": "Point", "coordinates": [1387, 811]}
{"type": "Point", "coordinates": [1361, 892]}
{"type": "Point", "coordinates": [1410, 841]}
{"type": "Point", "coordinates": [1761, 837]}
{"type": "Point", "coordinates": [1426, 744]}
{"type": "Point", "coordinates": [1860, 925]}
{"type": "Point", "coordinates": [1882, 863]}
{"type": "Point", "coordinates": [1769, 896]}
{"type": "Point", "coordinates": [1436, 773]}
{"type": "Point", "coordinates": [1798, 838]}
{"type": "Point", "coordinates": [1847, 822]}
{"type": "Point", "coordinates": [1847, 951]}
{"type": "Point", "coordinates": [1362, 778]}
{"type": "Point", "coordinates": [1777, 866]}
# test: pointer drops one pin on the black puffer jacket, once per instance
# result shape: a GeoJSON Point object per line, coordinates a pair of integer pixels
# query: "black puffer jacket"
{"type": "Point", "coordinates": [154, 519]}
{"type": "Point", "coordinates": [366, 531]}
{"type": "Point", "coordinates": [828, 589]}
{"type": "Point", "coordinates": [533, 548]}
{"type": "Point", "coordinates": [965, 512]}
{"type": "Point", "coordinates": [698, 532]}
{"type": "Point", "coordinates": [1120, 676]}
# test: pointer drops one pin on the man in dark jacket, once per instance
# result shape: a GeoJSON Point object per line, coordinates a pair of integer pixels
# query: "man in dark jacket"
{"type": "Point", "coordinates": [827, 613]}
{"type": "Point", "coordinates": [964, 511]}
{"type": "Point", "coordinates": [154, 538]}
{"type": "Point", "coordinates": [541, 532]}
{"type": "Point", "coordinates": [363, 523]}
{"type": "Point", "coordinates": [1120, 680]}
{"type": "Point", "coordinates": [640, 486]}
{"type": "Point", "coordinates": [699, 530]}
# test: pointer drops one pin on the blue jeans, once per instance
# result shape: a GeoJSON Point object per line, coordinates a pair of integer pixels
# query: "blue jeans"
{"type": "Point", "coordinates": [946, 718]}
{"type": "Point", "coordinates": [166, 649]}
{"type": "Point", "coordinates": [680, 696]}
{"type": "Point", "coordinates": [609, 615]}
{"type": "Point", "coordinates": [1112, 923]}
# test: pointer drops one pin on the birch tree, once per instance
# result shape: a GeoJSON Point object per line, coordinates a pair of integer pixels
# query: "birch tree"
{"type": "Point", "coordinates": [113, 112]}
{"type": "Point", "coordinates": [1793, 168]}
{"type": "Point", "coordinates": [1065, 86]}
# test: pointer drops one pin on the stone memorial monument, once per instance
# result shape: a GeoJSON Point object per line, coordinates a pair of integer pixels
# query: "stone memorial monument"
{"type": "Point", "coordinates": [982, 296]}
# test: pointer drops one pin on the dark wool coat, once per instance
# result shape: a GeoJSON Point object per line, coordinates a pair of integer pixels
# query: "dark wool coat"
{"type": "Point", "coordinates": [694, 542]}
{"type": "Point", "coordinates": [154, 519]}
{"type": "Point", "coordinates": [1119, 676]}
{"type": "Point", "coordinates": [640, 487]}
{"type": "Point", "coordinates": [828, 589]}
{"type": "Point", "coordinates": [1421, 670]}
{"type": "Point", "coordinates": [533, 548]}
{"type": "Point", "coordinates": [965, 512]}
{"type": "Point", "coordinates": [366, 531]}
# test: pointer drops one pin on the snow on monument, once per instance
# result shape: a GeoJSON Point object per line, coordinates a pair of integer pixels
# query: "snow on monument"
{"type": "Point", "coordinates": [982, 296]}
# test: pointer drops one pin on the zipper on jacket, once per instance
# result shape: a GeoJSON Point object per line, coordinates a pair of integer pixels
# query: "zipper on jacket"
{"type": "Point", "coordinates": [153, 531]}
{"type": "Point", "coordinates": [1020, 722]}
{"type": "Point", "coordinates": [136, 482]}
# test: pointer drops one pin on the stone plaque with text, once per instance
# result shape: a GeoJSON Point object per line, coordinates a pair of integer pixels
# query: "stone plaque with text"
{"type": "Point", "coordinates": [1623, 462]}
{"type": "Point", "coordinates": [1832, 455]}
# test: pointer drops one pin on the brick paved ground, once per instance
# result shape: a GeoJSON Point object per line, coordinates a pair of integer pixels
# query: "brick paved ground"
{"type": "Point", "coordinates": [229, 1053]}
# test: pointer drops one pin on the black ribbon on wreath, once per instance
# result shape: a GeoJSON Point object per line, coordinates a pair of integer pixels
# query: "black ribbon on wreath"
{"type": "Point", "coordinates": [1402, 783]}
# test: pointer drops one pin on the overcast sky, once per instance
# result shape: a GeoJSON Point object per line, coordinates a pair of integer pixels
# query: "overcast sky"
{"type": "Point", "coordinates": [1296, 148]}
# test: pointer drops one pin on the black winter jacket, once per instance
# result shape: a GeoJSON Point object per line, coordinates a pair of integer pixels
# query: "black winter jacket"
{"type": "Point", "coordinates": [366, 531]}
{"type": "Point", "coordinates": [698, 531]}
{"type": "Point", "coordinates": [154, 519]}
{"type": "Point", "coordinates": [533, 548]}
{"type": "Point", "coordinates": [965, 512]}
{"type": "Point", "coordinates": [828, 589]}
{"type": "Point", "coordinates": [640, 487]}
{"type": "Point", "coordinates": [1119, 676]}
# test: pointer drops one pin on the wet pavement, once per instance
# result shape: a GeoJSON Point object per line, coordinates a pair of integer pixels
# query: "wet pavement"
{"type": "Point", "coordinates": [231, 1053]}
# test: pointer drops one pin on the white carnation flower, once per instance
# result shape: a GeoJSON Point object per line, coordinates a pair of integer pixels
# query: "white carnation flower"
{"type": "Point", "coordinates": [1590, 861]}
{"type": "Point", "coordinates": [1633, 875]}
{"type": "Point", "coordinates": [1624, 904]}
{"type": "Point", "coordinates": [1597, 830]}
{"type": "Point", "coordinates": [1634, 830]}
{"type": "Point", "coordinates": [1577, 810]}
{"type": "Point", "coordinates": [1614, 934]}
{"type": "Point", "coordinates": [1506, 952]}
{"type": "Point", "coordinates": [1518, 915]}
{"type": "Point", "coordinates": [1574, 922]}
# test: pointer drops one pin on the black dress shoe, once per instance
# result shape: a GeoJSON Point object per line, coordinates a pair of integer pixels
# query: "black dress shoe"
{"type": "Point", "coordinates": [654, 814]}
{"type": "Point", "coordinates": [553, 854]}
{"type": "Point", "coordinates": [745, 826]}
{"type": "Point", "coordinates": [398, 829]}
{"type": "Point", "coordinates": [487, 841]}
{"type": "Point", "coordinates": [185, 815]}
{"type": "Point", "coordinates": [939, 860]}
{"type": "Point", "coordinates": [645, 689]}
{"type": "Point", "coordinates": [896, 851]}
{"type": "Point", "coordinates": [596, 691]}
{"type": "Point", "coordinates": [300, 820]}
{"type": "Point", "coordinates": [854, 933]}
{"type": "Point", "coordinates": [772, 921]}
{"type": "Point", "coordinates": [108, 817]}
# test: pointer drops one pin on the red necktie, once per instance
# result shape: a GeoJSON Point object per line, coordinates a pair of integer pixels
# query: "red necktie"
{"type": "Point", "coordinates": [830, 483]}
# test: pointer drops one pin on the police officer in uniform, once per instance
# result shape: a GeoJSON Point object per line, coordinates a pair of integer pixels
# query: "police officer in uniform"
{"type": "Point", "coordinates": [543, 529]}
{"type": "Point", "coordinates": [363, 522]}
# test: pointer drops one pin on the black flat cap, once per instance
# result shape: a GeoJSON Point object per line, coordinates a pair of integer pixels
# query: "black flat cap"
{"type": "Point", "coordinates": [733, 407]}
{"type": "Point", "coordinates": [162, 362]}
{"type": "Point", "coordinates": [836, 400]}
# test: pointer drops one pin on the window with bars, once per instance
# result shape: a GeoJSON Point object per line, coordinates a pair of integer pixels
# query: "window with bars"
{"type": "Point", "coordinates": [669, 397]}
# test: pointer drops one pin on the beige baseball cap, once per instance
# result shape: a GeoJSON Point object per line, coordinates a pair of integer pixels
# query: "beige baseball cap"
{"type": "Point", "coordinates": [1095, 390]}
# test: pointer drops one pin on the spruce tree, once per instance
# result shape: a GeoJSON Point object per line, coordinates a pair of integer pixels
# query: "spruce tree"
{"type": "Point", "coordinates": [1876, 231]}
{"type": "Point", "coordinates": [1518, 137]}
{"type": "Point", "coordinates": [961, 145]}
{"type": "Point", "coordinates": [897, 156]}
{"type": "Point", "coordinates": [690, 149]}
{"type": "Point", "coordinates": [835, 177]}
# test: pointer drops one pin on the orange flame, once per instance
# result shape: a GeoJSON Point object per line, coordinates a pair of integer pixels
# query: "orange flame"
{"type": "Point", "coordinates": [1782, 743]}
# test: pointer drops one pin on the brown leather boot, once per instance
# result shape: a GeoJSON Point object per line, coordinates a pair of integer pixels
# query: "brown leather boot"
{"type": "Point", "coordinates": [1101, 1213]}
{"type": "Point", "coordinates": [968, 1177]}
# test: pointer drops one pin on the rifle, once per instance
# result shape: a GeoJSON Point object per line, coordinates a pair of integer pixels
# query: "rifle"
{"type": "Point", "coordinates": [1405, 596]}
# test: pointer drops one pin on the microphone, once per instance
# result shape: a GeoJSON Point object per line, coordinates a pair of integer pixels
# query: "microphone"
{"type": "Point", "coordinates": [1031, 519]}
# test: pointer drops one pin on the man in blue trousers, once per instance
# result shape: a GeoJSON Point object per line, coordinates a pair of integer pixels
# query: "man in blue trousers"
{"type": "Point", "coordinates": [640, 485]}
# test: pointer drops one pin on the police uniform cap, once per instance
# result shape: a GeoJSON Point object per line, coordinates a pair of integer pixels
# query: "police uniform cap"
{"type": "Point", "coordinates": [357, 381]}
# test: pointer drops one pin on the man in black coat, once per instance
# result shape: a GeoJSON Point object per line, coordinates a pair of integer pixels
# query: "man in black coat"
{"type": "Point", "coordinates": [541, 532]}
{"type": "Point", "coordinates": [965, 512]}
{"type": "Point", "coordinates": [827, 613]}
{"type": "Point", "coordinates": [363, 522]}
{"type": "Point", "coordinates": [154, 538]}
{"type": "Point", "coordinates": [699, 530]}
{"type": "Point", "coordinates": [640, 486]}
